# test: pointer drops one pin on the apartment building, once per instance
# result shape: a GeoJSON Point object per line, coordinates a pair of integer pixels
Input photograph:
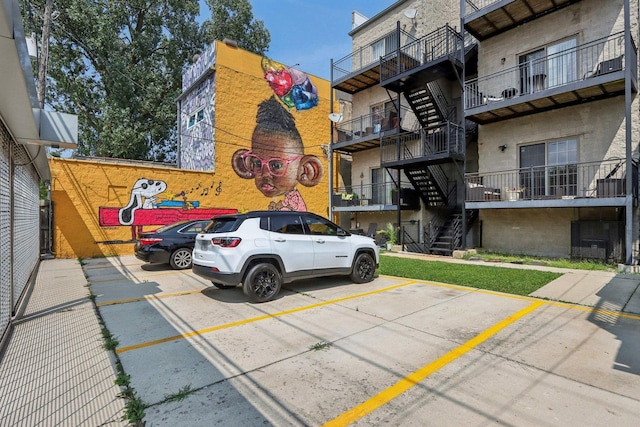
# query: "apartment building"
{"type": "Point", "coordinates": [399, 157]}
{"type": "Point", "coordinates": [518, 133]}
{"type": "Point", "coordinates": [555, 168]}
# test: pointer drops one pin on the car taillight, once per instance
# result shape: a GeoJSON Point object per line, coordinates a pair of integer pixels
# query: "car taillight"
{"type": "Point", "coordinates": [149, 240]}
{"type": "Point", "coordinates": [226, 242]}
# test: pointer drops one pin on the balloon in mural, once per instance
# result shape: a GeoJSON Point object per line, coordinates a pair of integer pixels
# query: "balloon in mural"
{"type": "Point", "coordinates": [293, 87]}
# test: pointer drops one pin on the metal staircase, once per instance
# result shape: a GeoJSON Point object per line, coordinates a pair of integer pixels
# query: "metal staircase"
{"type": "Point", "coordinates": [443, 234]}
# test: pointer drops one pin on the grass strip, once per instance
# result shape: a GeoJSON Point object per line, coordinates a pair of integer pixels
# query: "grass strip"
{"type": "Point", "coordinates": [508, 280]}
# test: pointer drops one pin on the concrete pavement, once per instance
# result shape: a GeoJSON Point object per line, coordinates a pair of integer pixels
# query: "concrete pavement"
{"type": "Point", "coordinates": [55, 371]}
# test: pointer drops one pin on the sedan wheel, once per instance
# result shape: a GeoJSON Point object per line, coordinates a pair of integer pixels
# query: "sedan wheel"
{"type": "Point", "coordinates": [363, 269]}
{"type": "Point", "coordinates": [262, 282]}
{"type": "Point", "coordinates": [181, 259]}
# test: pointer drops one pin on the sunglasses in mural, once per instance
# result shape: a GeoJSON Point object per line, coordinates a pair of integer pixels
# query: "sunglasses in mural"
{"type": "Point", "coordinates": [276, 165]}
{"type": "Point", "coordinates": [293, 87]}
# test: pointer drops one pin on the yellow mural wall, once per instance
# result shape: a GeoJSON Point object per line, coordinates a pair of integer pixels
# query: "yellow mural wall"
{"type": "Point", "coordinates": [240, 87]}
{"type": "Point", "coordinates": [89, 195]}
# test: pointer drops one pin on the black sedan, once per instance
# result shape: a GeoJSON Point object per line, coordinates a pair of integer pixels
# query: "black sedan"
{"type": "Point", "coordinates": [170, 244]}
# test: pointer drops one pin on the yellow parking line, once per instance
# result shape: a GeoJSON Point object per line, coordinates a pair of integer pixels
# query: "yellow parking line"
{"type": "Point", "coordinates": [416, 377]}
{"type": "Point", "coordinates": [255, 319]}
{"type": "Point", "coordinates": [569, 305]}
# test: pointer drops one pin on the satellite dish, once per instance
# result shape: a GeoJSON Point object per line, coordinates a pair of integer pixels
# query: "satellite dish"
{"type": "Point", "coordinates": [411, 13]}
{"type": "Point", "coordinates": [335, 117]}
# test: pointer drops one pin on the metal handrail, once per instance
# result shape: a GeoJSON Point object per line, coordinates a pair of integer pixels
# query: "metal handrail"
{"type": "Point", "coordinates": [376, 123]}
{"type": "Point", "coordinates": [477, 5]}
{"type": "Point", "coordinates": [577, 180]}
{"type": "Point", "coordinates": [447, 138]}
{"type": "Point", "coordinates": [588, 60]}
{"type": "Point", "coordinates": [443, 42]}
{"type": "Point", "coordinates": [366, 194]}
{"type": "Point", "coordinates": [363, 57]}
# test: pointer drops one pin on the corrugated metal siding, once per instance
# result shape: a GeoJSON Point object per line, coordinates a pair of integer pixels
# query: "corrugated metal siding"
{"type": "Point", "coordinates": [5, 232]}
{"type": "Point", "coordinates": [26, 217]}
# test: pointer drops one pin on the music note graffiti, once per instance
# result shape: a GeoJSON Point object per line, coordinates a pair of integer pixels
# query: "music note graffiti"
{"type": "Point", "coordinates": [219, 188]}
{"type": "Point", "coordinates": [205, 192]}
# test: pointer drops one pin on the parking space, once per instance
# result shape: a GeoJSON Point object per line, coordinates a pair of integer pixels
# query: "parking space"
{"type": "Point", "coordinates": [393, 351]}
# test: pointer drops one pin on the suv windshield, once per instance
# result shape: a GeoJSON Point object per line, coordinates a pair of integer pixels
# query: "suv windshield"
{"type": "Point", "coordinates": [222, 225]}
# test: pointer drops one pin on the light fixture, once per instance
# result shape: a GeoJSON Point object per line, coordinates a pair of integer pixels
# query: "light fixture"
{"type": "Point", "coordinates": [502, 147]}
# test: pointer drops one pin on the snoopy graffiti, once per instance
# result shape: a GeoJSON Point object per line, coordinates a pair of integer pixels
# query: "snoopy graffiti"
{"type": "Point", "coordinates": [143, 196]}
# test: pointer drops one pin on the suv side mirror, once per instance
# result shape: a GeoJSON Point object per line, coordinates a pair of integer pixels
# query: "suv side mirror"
{"type": "Point", "coordinates": [342, 232]}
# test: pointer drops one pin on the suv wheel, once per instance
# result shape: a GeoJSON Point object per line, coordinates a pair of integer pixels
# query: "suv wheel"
{"type": "Point", "coordinates": [180, 259]}
{"type": "Point", "coordinates": [363, 268]}
{"type": "Point", "coordinates": [262, 282]}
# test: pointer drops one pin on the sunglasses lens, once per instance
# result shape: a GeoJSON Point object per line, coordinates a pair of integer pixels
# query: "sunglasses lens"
{"type": "Point", "coordinates": [277, 167]}
{"type": "Point", "coordinates": [252, 163]}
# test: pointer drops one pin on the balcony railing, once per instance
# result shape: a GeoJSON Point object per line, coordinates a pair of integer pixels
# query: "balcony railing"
{"type": "Point", "coordinates": [365, 195]}
{"type": "Point", "coordinates": [366, 56]}
{"type": "Point", "coordinates": [570, 181]}
{"type": "Point", "coordinates": [370, 124]}
{"type": "Point", "coordinates": [443, 42]}
{"type": "Point", "coordinates": [580, 63]}
{"type": "Point", "coordinates": [472, 6]}
{"type": "Point", "coordinates": [439, 140]}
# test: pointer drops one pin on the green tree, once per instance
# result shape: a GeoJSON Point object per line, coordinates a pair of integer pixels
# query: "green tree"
{"type": "Point", "coordinates": [233, 19]}
{"type": "Point", "coordinates": [118, 65]}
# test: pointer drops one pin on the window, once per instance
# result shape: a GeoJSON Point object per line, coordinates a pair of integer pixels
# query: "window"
{"type": "Point", "coordinates": [549, 169]}
{"type": "Point", "coordinates": [320, 226]}
{"type": "Point", "coordinates": [383, 47]}
{"type": "Point", "coordinates": [381, 114]}
{"type": "Point", "coordinates": [286, 224]}
{"type": "Point", "coordinates": [549, 66]}
{"type": "Point", "coordinates": [196, 117]}
{"type": "Point", "coordinates": [378, 187]}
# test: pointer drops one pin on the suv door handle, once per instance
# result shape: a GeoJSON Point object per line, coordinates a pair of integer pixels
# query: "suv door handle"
{"type": "Point", "coordinates": [320, 241]}
{"type": "Point", "coordinates": [279, 239]}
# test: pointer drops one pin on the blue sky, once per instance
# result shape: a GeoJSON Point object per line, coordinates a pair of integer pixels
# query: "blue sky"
{"type": "Point", "coordinates": [310, 32]}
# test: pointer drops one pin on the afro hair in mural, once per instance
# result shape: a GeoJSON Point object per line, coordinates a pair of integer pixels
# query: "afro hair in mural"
{"type": "Point", "coordinates": [276, 160]}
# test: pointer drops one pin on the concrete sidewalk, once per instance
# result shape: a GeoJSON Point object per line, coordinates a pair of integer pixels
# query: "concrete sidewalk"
{"type": "Point", "coordinates": [55, 371]}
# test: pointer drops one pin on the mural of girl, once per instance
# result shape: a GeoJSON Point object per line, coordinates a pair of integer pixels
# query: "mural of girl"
{"type": "Point", "coordinates": [276, 160]}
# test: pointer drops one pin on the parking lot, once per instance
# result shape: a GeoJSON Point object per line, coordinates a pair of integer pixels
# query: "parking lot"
{"type": "Point", "coordinates": [394, 351]}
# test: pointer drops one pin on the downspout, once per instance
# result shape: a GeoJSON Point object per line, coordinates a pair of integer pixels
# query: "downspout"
{"type": "Point", "coordinates": [330, 150]}
{"type": "Point", "coordinates": [629, 178]}
{"type": "Point", "coordinates": [400, 170]}
{"type": "Point", "coordinates": [464, 127]}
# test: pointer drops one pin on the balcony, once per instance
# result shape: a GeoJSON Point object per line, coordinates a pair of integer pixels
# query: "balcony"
{"type": "Point", "coordinates": [364, 132]}
{"type": "Point", "coordinates": [373, 197]}
{"type": "Point", "coordinates": [360, 70]}
{"type": "Point", "coordinates": [487, 18]}
{"type": "Point", "coordinates": [587, 72]}
{"type": "Point", "coordinates": [575, 185]}
{"type": "Point", "coordinates": [435, 144]}
{"type": "Point", "coordinates": [422, 60]}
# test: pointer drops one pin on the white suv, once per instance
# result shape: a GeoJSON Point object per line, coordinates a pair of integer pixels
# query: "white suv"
{"type": "Point", "coordinates": [263, 249]}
